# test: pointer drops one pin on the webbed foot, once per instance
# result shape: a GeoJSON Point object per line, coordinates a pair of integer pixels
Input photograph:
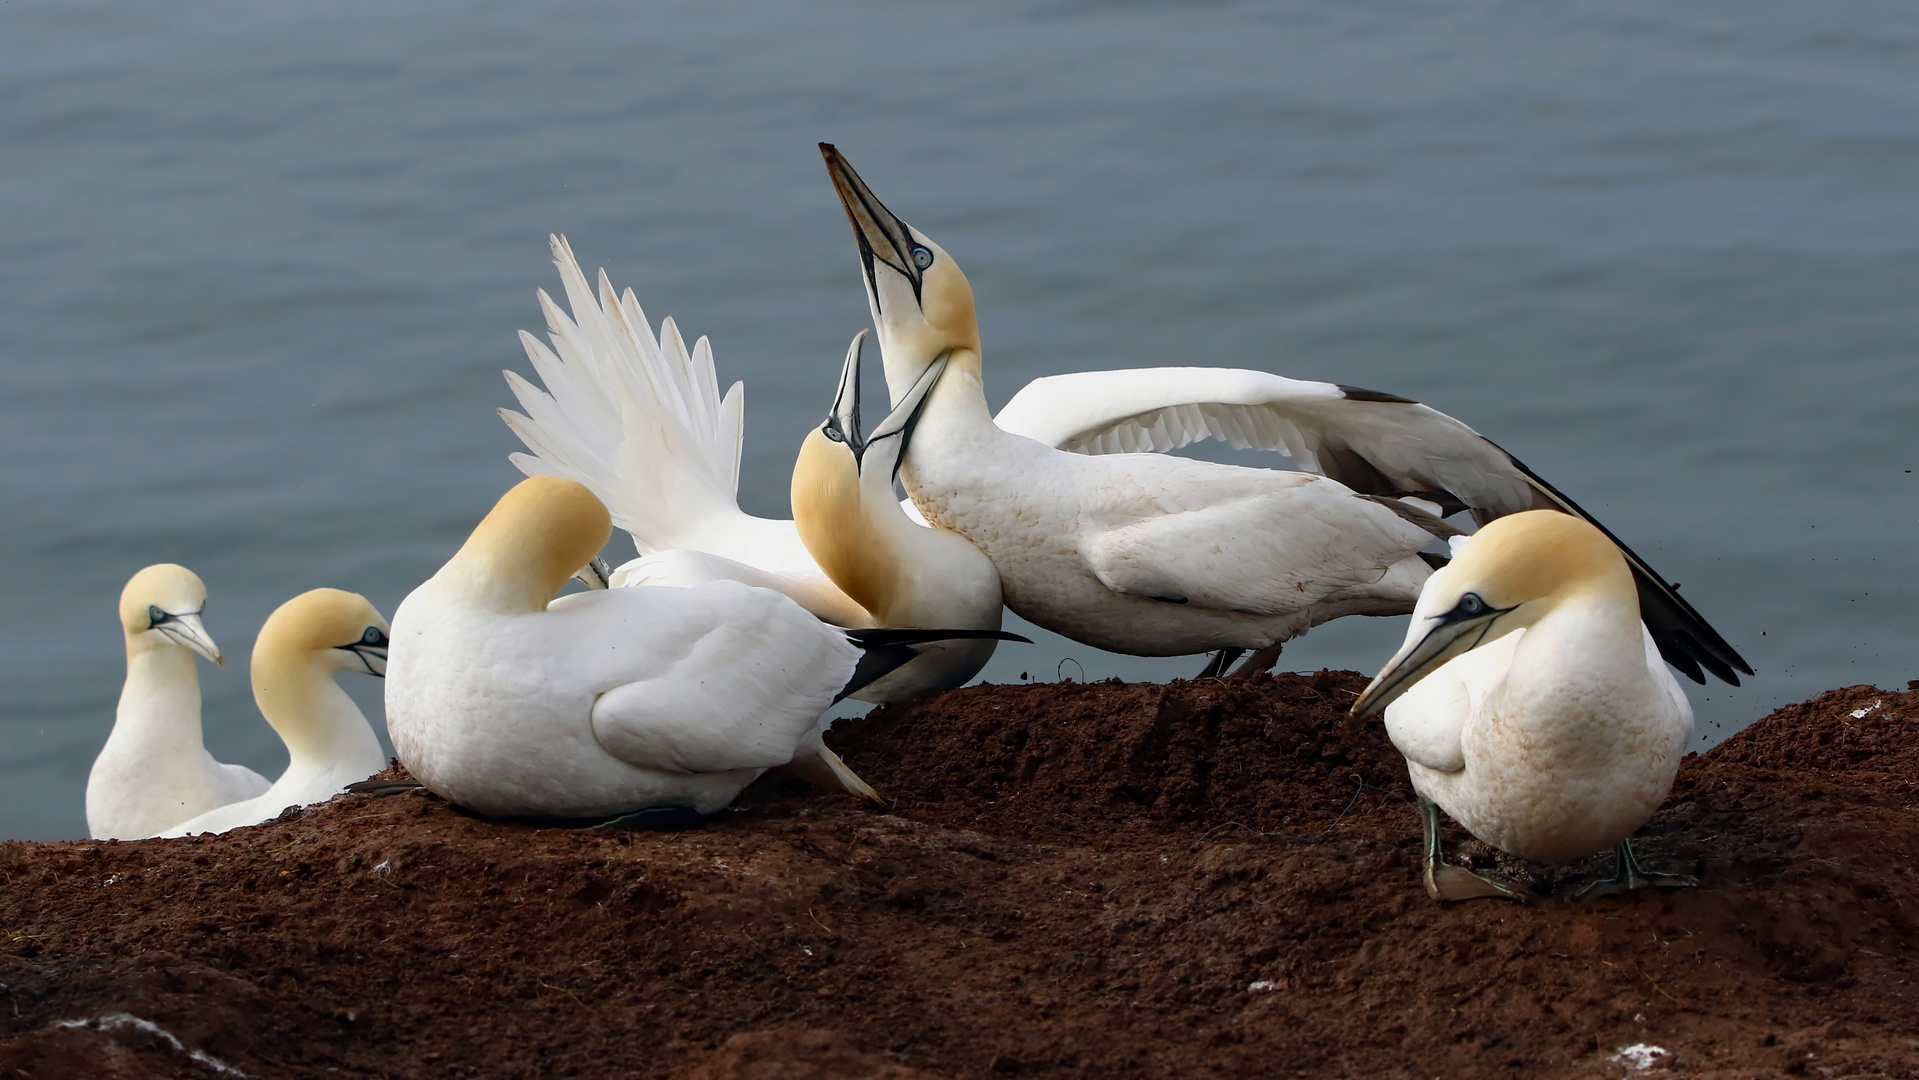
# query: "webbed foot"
{"type": "Point", "coordinates": [1444, 881]}
{"type": "Point", "coordinates": [1628, 874]}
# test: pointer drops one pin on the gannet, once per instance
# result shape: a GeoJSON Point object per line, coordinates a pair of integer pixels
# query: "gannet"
{"type": "Point", "coordinates": [656, 702]}
{"type": "Point", "coordinates": [304, 644]}
{"type": "Point", "coordinates": [1409, 457]}
{"type": "Point", "coordinates": [1532, 705]}
{"type": "Point", "coordinates": [903, 573]}
{"type": "Point", "coordinates": [641, 423]}
{"type": "Point", "coordinates": [1135, 553]}
{"type": "Point", "coordinates": [154, 770]}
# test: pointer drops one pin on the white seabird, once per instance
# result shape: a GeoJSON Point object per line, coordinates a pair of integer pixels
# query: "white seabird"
{"type": "Point", "coordinates": [303, 645]}
{"type": "Point", "coordinates": [155, 771]}
{"type": "Point", "coordinates": [902, 572]}
{"type": "Point", "coordinates": [658, 703]}
{"type": "Point", "coordinates": [1056, 560]}
{"type": "Point", "coordinates": [1531, 703]}
{"type": "Point", "coordinates": [640, 422]}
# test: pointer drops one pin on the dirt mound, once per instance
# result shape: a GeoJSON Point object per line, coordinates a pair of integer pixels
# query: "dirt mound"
{"type": "Point", "coordinates": [1198, 879]}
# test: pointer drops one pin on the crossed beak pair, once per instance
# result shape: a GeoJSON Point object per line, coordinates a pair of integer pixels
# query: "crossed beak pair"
{"type": "Point", "coordinates": [843, 422]}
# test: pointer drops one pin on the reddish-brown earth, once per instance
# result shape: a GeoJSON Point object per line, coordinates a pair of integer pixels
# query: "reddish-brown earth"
{"type": "Point", "coordinates": [1199, 879]}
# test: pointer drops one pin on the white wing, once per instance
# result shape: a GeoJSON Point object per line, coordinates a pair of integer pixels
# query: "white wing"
{"type": "Point", "coordinates": [716, 677]}
{"type": "Point", "coordinates": [1374, 443]}
{"type": "Point", "coordinates": [641, 422]}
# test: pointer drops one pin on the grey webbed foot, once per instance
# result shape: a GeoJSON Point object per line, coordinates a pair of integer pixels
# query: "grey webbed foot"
{"type": "Point", "coordinates": [1628, 874]}
{"type": "Point", "coordinates": [1443, 880]}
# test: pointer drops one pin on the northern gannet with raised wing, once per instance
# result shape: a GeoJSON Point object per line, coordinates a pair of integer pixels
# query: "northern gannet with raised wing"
{"type": "Point", "coordinates": [641, 423]}
{"type": "Point", "coordinates": [659, 702]}
{"type": "Point", "coordinates": [1531, 703]}
{"type": "Point", "coordinates": [1378, 445]}
{"type": "Point", "coordinates": [154, 771]}
{"type": "Point", "coordinates": [1136, 553]}
{"type": "Point", "coordinates": [303, 645]}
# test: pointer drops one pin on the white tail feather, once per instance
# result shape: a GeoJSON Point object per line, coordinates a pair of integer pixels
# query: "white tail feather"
{"type": "Point", "coordinates": [641, 422]}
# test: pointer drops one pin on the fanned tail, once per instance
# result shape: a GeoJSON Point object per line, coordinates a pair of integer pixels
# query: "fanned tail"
{"type": "Point", "coordinates": [639, 420]}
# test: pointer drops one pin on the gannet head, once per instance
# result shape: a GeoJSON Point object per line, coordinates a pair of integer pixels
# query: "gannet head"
{"type": "Point", "coordinates": [1513, 571]}
{"type": "Point", "coordinates": [161, 605]}
{"type": "Point", "coordinates": [539, 534]}
{"type": "Point", "coordinates": [843, 501]}
{"type": "Point", "coordinates": [922, 304]}
{"type": "Point", "coordinates": [329, 628]}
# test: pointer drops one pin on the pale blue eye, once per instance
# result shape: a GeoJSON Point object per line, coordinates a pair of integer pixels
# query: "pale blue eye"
{"type": "Point", "coordinates": [922, 258]}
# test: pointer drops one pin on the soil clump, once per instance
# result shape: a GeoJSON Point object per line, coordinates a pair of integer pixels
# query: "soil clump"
{"type": "Point", "coordinates": [1214, 878]}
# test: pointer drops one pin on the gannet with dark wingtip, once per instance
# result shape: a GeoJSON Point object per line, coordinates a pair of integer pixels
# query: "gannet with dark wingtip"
{"type": "Point", "coordinates": [640, 421]}
{"type": "Point", "coordinates": [620, 702]}
{"type": "Point", "coordinates": [1531, 702]}
{"type": "Point", "coordinates": [303, 645]}
{"type": "Point", "coordinates": [155, 771]}
{"type": "Point", "coordinates": [1402, 453]}
{"type": "Point", "coordinates": [1136, 553]}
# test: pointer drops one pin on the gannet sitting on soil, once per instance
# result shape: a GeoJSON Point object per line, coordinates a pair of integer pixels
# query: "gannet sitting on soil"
{"type": "Point", "coordinates": [1531, 703]}
{"type": "Point", "coordinates": [155, 771]}
{"type": "Point", "coordinates": [1375, 444]}
{"type": "Point", "coordinates": [304, 644]}
{"type": "Point", "coordinates": [654, 703]}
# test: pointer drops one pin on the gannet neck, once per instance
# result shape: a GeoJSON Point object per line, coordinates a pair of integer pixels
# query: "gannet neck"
{"type": "Point", "coordinates": [304, 643]}
{"type": "Point", "coordinates": [528, 545]}
{"type": "Point", "coordinates": [160, 704]}
{"type": "Point", "coordinates": [838, 528]}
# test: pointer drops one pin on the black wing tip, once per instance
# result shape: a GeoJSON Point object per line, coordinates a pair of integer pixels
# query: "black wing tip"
{"type": "Point", "coordinates": [1360, 393]}
{"type": "Point", "coordinates": [881, 637]}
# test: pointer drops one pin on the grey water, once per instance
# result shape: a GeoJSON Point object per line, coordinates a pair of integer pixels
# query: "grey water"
{"type": "Point", "coordinates": [261, 265]}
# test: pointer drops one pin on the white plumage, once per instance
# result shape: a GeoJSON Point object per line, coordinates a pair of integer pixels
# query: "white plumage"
{"type": "Point", "coordinates": [154, 771]}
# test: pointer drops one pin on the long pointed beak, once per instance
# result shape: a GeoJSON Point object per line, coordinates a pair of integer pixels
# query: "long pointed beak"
{"type": "Point", "coordinates": [373, 656]}
{"type": "Point", "coordinates": [882, 236]}
{"type": "Point", "coordinates": [594, 575]}
{"type": "Point", "coordinates": [843, 422]}
{"type": "Point", "coordinates": [906, 415]}
{"type": "Point", "coordinates": [189, 631]}
{"type": "Point", "coordinates": [1415, 661]}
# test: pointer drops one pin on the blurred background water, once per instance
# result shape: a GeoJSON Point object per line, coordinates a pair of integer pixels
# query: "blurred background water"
{"type": "Point", "coordinates": [261, 265]}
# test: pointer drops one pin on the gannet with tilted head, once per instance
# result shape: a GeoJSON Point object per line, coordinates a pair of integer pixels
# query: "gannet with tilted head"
{"type": "Point", "coordinates": [903, 573]}
{"type": "Point", "coordinates": [304, 644]}
{"type": "Point", "coordinates": [638, 700]}
{"type": "Point", "coordinates": [1137, 553]}
{"type": "Point", "coordinates": [1531, 702]}
{"type": "Point", "coordinates": [1377, 444]}
{"type": "Point", "coordinates": [155, 771]}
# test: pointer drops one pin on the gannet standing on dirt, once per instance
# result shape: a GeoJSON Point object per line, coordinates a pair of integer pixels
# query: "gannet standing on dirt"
{"type": "Point", "coordinates": [1378, 445]}
{"type": "Point", "coordinates": [154, 771]}
{"type": "Point", "coordinates": [655, 703]}
{"type": "Point", "coordinates": [1532, 705]}
{"type": "Point", "coordinates": [304, 644]}
{"type": "Point", "coordinates": [1136, 553]}
{"type": "Point", "coordinates": [903, 573]}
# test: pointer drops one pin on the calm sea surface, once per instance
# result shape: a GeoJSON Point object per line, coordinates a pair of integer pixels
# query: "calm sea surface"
{"type": "Point", "coordinates": [261, 265]}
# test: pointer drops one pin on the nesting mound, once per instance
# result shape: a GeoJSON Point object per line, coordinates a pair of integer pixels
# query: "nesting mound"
{"type": "Point", "coordinates": [1198, 879]}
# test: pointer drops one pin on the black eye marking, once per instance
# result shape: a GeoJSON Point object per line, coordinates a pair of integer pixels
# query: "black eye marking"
{"type": "Point", "coordinates": [922, 258]}
{"type": "Point", "coordinates": [833, 432]}
{"type": "Point", "coordinates": [155, 616]}
{"type": "Point", "coordinates": [1470, 606]}
{"type": "Point", "coordinates": [373, 636]}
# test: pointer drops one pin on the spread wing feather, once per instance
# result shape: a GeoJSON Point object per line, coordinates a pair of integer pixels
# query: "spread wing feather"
{"type": "Point", "coordinates": [1374, 443]}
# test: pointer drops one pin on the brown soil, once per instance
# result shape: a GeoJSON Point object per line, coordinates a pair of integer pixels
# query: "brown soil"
{"type": "Point", "coordinates": [1199, 879]}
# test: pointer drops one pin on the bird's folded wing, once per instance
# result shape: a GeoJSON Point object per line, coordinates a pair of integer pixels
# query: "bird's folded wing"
{"type": "Point", "coordinates": [727, 677]}
{"type": "Point", "coordinates": [1266, 554]}
{"type": "Point", "coordinates": [1374, 443]}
